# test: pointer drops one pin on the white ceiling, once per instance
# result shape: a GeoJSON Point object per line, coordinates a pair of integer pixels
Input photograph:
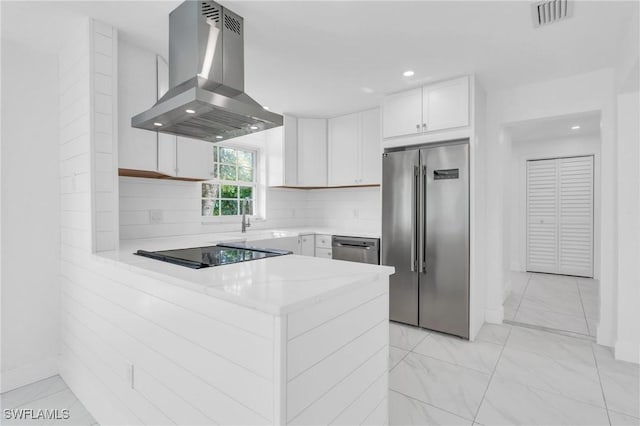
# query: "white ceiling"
{"type": "Point", "coordinates": [556, 127]}
{"type": "Point", "coordinates": [315, 58]}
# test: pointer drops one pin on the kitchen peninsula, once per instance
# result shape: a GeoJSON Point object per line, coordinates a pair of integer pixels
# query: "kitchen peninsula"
{"type": "Point", "coordinates": [283, 340]}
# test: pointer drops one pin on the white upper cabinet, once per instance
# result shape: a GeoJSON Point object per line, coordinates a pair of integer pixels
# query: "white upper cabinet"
{"type": "Point", "coordinates": [354, 149]}
{"type": "Point", "coordinates": [446, 105]}
{"type": "Point", "coordinates": [137, 149]}
{"type": "Point", "coordinates": [345, 150]}
{"type": "Point", "coordinates": [166, 142]}
{"type": "Point", "coordinates": [312, 152]}
{"type": "Point", "coordinates": [402, 113]}
{"type": "Point", "coordinates": [194, 159]}
{"type": "Point", "coordinates": [433, 107]}
{"type": "Point", "coordinates": [282, 153]}
{"type": "Point", "coordinates": [371, 158]}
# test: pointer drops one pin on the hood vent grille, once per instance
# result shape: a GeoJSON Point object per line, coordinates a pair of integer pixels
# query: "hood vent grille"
{"type": "Point", "coordinates": [232, 24]}
{"type": "Point", "coordinates": [548, 12]}
{"type": "Point", "coordinates": [210, 11]}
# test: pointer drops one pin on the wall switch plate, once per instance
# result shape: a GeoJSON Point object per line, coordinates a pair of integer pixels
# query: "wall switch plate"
{"type": "Point", "coordinates": [155, 216]}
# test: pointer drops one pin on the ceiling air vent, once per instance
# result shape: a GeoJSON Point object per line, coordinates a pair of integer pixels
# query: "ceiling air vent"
{"type": "Point", "coordinates": [550, 11]}
{"type": "Point", "coordinates": [211, 11]}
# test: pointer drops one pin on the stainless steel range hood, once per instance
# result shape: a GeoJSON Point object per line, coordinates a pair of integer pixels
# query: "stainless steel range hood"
{"type": "Point", "coordinates": [206, 99]}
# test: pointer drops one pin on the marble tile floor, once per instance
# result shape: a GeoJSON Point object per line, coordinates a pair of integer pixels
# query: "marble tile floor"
{"type": "Point", "coordinates": [509, 376]}
{"type": "Point", "coordinates": [48, 394]}
{"type": "Point", "coordinates": [557, 302]}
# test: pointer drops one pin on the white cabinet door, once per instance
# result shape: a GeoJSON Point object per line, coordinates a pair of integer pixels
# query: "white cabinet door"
{"type": "Point", "coordinates": [446, 104]}
{"type": "Point", "coordinates": [344, 162]}
{"type": "Point", "coordinates": [575, 216]}
{"type": "Point", "coordinates": [291, 244]}
{"type": "Point", "coordinates": [542, 207]}
{"type": "Point", "coordinates": [371, 148]}
{"type": "Point", "coordinates": [137, 148]}
{"type": "Point", "coordinates": [282, 153]}
{"type": "Point", "coordinates": [402, 113]}
{"type": "Point", "coordinates": [312, 152]}
{"type": "Point", "coordinates": [560, 216]}
{"type": "Point", "coordinates": [167, 154]}
{"type": "Point", "coordinates": [194, 159]}
{"type": "Point", "coordinates": [166, 143]}
{"type": "Point", "coordinates": [307, 245]}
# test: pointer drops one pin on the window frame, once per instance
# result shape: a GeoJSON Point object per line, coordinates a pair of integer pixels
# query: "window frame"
{"type": "Point", "coordinates": [255, 185]}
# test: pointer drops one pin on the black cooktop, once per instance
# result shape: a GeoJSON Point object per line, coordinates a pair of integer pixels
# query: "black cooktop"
{"type": "Point", "coordinates": [205, 257]}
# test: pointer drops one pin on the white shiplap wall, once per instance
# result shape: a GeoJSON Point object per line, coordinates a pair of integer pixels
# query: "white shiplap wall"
{"type": "Point", "coordinates": [346, 208]}
{"type": "Point", "coordinates": [104, 74]}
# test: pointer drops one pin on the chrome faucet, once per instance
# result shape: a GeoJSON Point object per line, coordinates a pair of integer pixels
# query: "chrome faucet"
{"type": "Point", "coordinates": [246, 222]}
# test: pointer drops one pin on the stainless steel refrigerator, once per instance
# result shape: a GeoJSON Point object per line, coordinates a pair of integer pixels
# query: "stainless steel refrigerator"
{"type": "Point", "coordinates": [425, 235]}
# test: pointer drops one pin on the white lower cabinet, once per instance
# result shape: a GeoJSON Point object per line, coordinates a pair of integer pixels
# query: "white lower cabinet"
{"type": "Point", "coordinates": [324, 252]}
{"type": "Point", "coordinates": [291, 244]}
{"type": "Point", "coordinates": [323, 246]}
{"type": "Point", "coordinates": [307, 245]}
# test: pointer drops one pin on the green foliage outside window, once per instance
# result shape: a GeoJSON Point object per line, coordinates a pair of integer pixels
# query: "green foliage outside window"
{"type": "Point", "coordinates": [234, 181]}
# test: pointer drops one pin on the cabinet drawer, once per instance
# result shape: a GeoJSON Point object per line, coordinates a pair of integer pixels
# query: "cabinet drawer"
{"type": "Point", "coordinates": [323, 252]}
{"type": "Point", "coordinates": [323, 241]}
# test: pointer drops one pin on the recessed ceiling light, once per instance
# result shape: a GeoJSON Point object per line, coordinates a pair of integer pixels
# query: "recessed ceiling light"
{"type": "Point", "coordinates": [218, 137]}
{"type": "Point", "coordinates": [189, 111]}
{"type": "Point", "coordinates": [575, 127]}
{"type": "Point", "coordinates": [254, 127]}
{"type": "Point", "coordinates": [265, 107]}
{"type": "Point", "coordinates": [367, 90]}
{"type": "Point", "coordinates": [408, 73]}
{"type": "Point", "coordinates": [157, 124]}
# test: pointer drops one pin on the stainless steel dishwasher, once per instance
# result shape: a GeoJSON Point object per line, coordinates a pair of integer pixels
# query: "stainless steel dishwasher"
{"type": "Point", "coordinates": [356, 249]}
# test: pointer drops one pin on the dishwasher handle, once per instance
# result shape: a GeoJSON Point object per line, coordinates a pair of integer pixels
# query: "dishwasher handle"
{"type": "Point", "coordinates": [362, 243]}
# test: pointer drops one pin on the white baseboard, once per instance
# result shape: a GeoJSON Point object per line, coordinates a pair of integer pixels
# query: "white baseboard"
{"type": "Point", "coordinates": [627, 351]}
{"type": "Point", "coordinates": [29, 373]}
{"type": "Point", "coordinates": [494, 316]}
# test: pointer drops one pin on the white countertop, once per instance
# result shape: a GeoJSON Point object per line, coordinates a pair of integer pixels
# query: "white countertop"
{"type": "Point", "coordinates": [274, 285]}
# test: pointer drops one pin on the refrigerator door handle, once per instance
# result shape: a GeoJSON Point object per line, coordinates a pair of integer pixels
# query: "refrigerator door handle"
{"type": "Point", "coordinates": [414, 218]}
{"type": "Point", "coordinates": [422, 231]}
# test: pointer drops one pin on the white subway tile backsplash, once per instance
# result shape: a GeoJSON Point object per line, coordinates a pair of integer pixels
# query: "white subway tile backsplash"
{"type": "Point", "coordinates": [345, 208]}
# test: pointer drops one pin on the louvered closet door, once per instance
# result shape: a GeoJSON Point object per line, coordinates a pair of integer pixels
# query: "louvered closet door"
{"type": "Point", "coordinates": [575, 216]}
{"type": "Point", "coordinates": [542, 212]}
{"type": "Point", "coordinates": [560, 216]}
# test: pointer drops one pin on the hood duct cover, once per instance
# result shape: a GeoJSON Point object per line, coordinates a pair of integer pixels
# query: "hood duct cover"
{"type": "Point", "coordinates": [206, 99]}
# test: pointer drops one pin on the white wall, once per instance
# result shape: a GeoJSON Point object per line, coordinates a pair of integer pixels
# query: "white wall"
{"type": "Point", "coordinates": [627, 345]}
{"type": "Point", "coordinates": [30, 214]}
{"type": "Point", "coordinates": [516, 202]}
{"type": "Point", "coordinates": [593, 91]}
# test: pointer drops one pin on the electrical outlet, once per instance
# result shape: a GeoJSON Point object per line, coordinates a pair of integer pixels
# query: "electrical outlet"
{"type": "Point", "coordinates": [155, 216]}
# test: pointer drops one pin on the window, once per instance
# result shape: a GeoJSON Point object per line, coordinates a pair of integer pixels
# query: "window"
{"type": "Point", "coordinates": [234, 172]}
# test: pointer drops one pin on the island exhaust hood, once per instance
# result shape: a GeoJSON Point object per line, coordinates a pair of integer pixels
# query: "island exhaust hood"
{"type": "Point", "coordinates": [206, 98]}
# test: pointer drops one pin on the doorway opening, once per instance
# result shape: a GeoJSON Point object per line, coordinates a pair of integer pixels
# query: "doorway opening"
{"type": "Point", "coordinates": [552, 204]}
